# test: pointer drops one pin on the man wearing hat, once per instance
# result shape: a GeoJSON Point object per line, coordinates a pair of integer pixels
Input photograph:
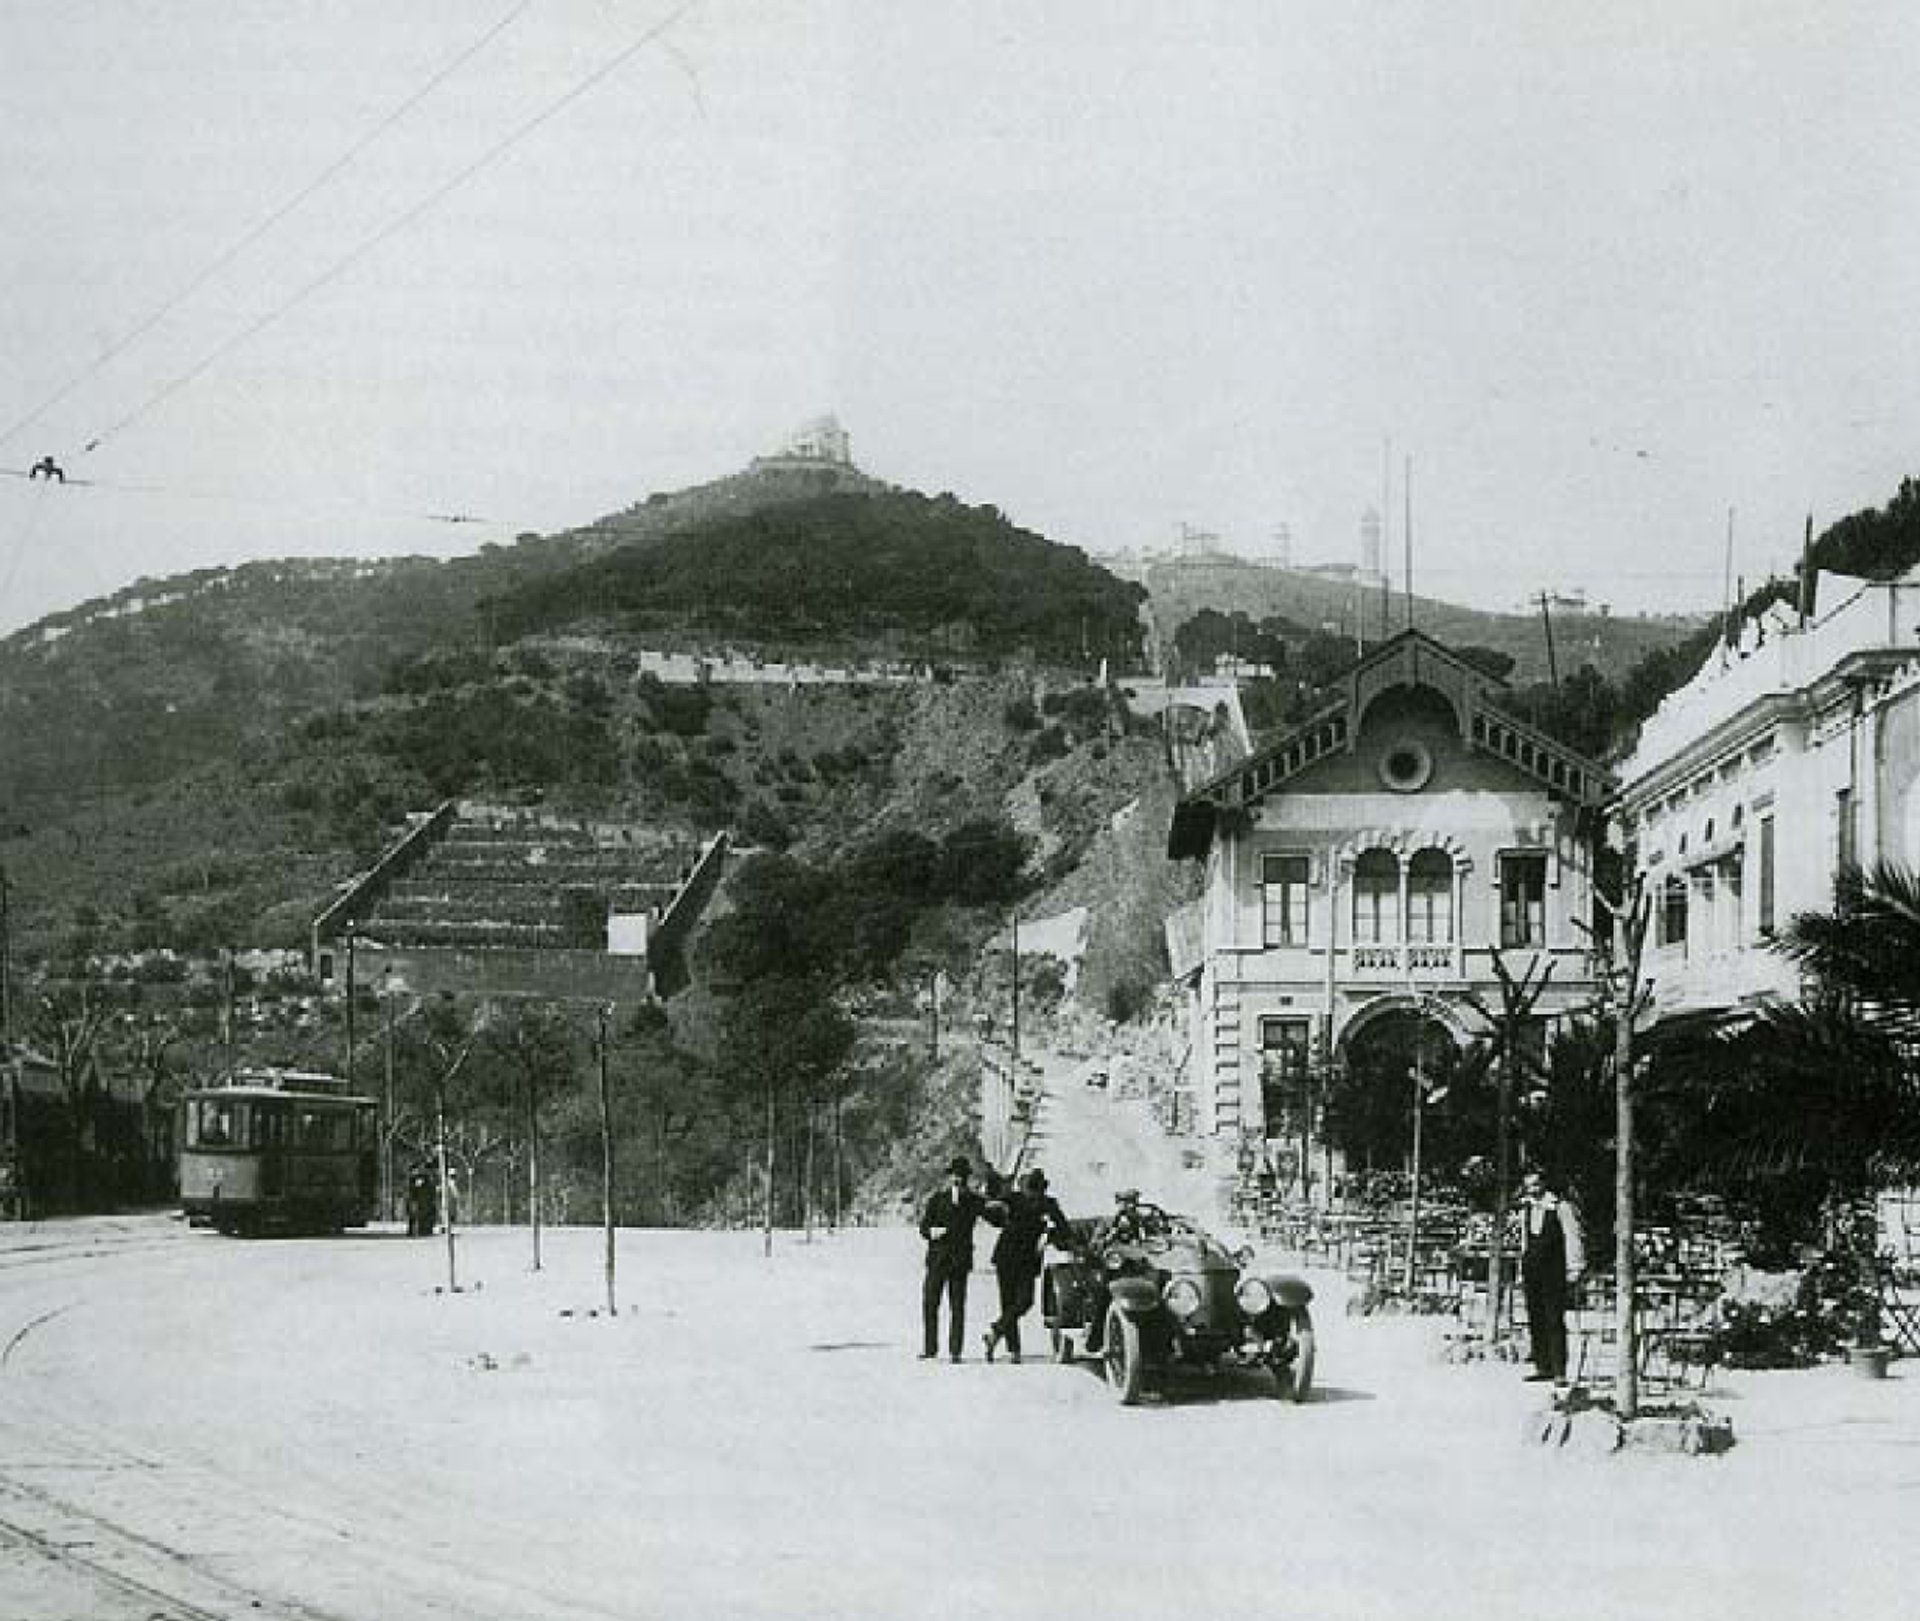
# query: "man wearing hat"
{"type": "Point", "coordinates": [1028, 1216]}
{"type": "Point", "coordinates": [947, 1226]}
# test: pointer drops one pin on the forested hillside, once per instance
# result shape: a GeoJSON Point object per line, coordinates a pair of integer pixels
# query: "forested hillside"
{"type": "Point", "coordinates": [895, 571]}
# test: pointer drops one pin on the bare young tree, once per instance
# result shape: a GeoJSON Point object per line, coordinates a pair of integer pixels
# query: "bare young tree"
{"type": "Point", "coordinates": [1513, 1055]}
{"type": "Point", "coordinates": [67, 1024]}
{"type": "Point", "coordinates": [1625, 997]}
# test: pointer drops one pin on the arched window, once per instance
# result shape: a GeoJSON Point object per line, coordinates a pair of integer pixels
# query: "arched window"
{"type": "Point", "coordinates": [1430, 898]}
{"type": "Point", "coordinates": [1376, 898]}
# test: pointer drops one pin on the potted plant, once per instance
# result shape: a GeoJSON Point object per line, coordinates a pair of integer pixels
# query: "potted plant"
{"type": "Point", "coordinates": [1868, 1352]}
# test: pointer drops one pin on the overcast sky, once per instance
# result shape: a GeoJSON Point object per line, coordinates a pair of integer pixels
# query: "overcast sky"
{"type": "Point", "coordinates": [1602, 271]}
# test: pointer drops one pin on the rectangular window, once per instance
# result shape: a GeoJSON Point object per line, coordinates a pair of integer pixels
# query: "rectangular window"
{"type": "Point", "coordinates": [1766, 875]}
{"type": "Point", "coordinates": [1673, 912]}
{"type": "Point", "coordinates": [1523, 900]}
{"type": "Point", "coordinates": [217, 1123]}
{"type": "Point", "coordinates": [1846, 847]}
{"type": "Point", "coordinates": [1286, 1058]}
{"type": "Point", "coordinates": [1283, 900]}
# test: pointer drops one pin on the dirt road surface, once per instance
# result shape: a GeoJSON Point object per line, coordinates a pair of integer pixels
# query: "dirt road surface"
{"type": "Point", "coordinates": [194, 1427]}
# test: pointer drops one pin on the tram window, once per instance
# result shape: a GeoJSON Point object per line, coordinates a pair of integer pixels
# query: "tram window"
{"type": "Point", "coordinates": [218, 1123]}
{"type": "Point", "coordinates": [212, 1124]}
{"type": "Point", "coordinates": [319, 1129]}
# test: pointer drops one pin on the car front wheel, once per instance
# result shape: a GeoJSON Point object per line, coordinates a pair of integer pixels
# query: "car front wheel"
{"type": "Point", "coordinates": [1126, 1374]}
{"type": "Point", "coordinates": [1295, 1375]}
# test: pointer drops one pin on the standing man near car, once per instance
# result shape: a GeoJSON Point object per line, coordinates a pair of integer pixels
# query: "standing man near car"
{"type": "Point", "coordinates": [1552, 1256]}
{"type": "Point", "coordinates": [1031, 1214]}
{"type": "Point", "coordinates": [947, 1226]}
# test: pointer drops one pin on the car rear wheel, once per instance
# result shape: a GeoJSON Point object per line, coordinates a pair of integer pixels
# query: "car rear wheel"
{"type": "Point", "coordinates": [1295, 1376]}
{"type": "Point", "coordinates": [1125, 1371]}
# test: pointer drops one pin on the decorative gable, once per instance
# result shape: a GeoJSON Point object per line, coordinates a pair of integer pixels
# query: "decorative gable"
{"type": "Point", "coordinates": [1410, 660]}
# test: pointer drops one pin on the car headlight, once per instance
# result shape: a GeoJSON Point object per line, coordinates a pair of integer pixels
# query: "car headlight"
{"type": "Point", "coordinates": [1182, 1297]}
{"type": "Point", "coordinates": [1254, 1296]}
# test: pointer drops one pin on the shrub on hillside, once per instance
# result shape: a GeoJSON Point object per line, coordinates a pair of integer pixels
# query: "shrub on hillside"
{"type": "Point", "coordinates": [1127, 999]}
{"type": "Point", "coordinates": [1019, 714]}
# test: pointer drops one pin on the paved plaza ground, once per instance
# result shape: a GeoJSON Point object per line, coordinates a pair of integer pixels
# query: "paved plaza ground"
{"type": "Point", "coordinates": [192, 1426]}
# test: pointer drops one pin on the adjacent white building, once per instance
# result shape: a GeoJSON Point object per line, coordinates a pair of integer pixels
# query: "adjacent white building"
{"type": "Point", "coordinates": [1793, 752]}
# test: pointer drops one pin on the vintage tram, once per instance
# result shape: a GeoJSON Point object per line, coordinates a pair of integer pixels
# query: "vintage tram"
{"type": "Point", "coordinates": [281, 1150]}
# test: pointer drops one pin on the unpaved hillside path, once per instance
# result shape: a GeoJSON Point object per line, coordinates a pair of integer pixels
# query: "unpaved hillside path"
{"type": "Point", "coordinates": [1092, 1144]}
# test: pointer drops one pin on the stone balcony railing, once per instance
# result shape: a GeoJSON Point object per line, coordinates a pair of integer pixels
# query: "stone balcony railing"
{"type": "Point", "coordinates": [1396, 961]}
{"type": "Point", "coordinates": [1397, 964]}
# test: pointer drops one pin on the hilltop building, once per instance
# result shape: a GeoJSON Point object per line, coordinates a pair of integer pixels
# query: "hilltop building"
{"type": "Point", "coordinates": [821, 441]}
{"type": "Point", "coordinates": [1361, 874]}
{"type": "Point", "coordinates": [1794, 752]}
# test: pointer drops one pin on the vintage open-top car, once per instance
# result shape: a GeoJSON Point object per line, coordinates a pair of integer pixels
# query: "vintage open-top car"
{"type": "Point", "coordinates": [1147, 1292]}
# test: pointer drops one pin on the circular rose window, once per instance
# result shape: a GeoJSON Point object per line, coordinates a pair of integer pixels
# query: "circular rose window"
{"type": "Point", "coordinates": [1405, 767]}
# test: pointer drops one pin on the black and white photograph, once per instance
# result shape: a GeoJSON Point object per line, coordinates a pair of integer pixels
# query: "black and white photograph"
{"type": "Point", "coordinates": [877, 810]}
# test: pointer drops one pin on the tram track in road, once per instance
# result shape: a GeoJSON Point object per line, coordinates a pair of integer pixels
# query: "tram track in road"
{"type": "Point", "coordinates": [48, 1244]}
{"type": "Point", "coordinates": [153, 1515]}
{"type": "Point", "coordinates": [166, 1584]}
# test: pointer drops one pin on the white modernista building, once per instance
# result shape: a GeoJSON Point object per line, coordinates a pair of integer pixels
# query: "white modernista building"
{"type": "Point", "coordinates": [1363, 872]}
{"type": "Point", "coordinates": [1791, 753]}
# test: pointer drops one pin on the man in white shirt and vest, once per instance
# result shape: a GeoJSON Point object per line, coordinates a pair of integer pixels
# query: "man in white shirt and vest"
{"type": "Point", "coordinates": [1551, 1258]}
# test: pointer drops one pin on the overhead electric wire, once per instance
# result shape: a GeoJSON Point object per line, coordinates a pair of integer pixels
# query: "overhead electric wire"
{"type": "Point", "coordinates": [176, 493]}
{"type": "Point", "coordinates": [233, 251]}
{"type": "Point", "coordinates": [367, 244]}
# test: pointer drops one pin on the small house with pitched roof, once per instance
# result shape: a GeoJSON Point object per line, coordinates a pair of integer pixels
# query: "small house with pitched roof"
{"type": "Point", "coordinates": [1362, 874]}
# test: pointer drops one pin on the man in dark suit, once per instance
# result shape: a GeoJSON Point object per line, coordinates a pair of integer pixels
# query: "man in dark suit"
{"type": "Point", "coordinates": [947, 1226]}
{"type": "Point", "coordinates": [1028, 1217]}
{"type": "Point", "coordinates": [1552, 1256]}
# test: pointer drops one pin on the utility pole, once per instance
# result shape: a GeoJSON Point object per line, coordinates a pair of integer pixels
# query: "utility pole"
{"type": "Point", "coordinates": [837, 1169]}
{"type": "Point", "coordinates": [606, 1158]}
{"type": "Point", "coordinates": [1016, 996]}
{"type": "Point", "coordinates": [14, 1202]}
{"type": "Point", "coordinates": [1406, 533]}
{"type": "Point", "coordinates": [6, 964]}
{"type": "Point", "coordinates": [226, 1009]}
{"type": "Point", "coordinates": [533, 1160]}
{"type": "Point", "coordinates": [351, 998]}
{"type": "Point", "coordinates": [1413, 1200]}
{"type": "Point", "coordinates": [386, 1124]}
{"type": "Point", "coordinates": [1546, 619]}
{"type": "Point", "coordinates": [767, 1243]}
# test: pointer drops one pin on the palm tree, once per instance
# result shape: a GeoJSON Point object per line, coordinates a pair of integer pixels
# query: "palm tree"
{"type": "Point", "coordinates": [1866, 951]}
{"type": "Point", "coordinates": [1813, 1107]}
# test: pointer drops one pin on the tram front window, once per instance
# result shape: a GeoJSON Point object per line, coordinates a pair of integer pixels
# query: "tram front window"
{"type": "Point", "coordinates": [217, 1123]}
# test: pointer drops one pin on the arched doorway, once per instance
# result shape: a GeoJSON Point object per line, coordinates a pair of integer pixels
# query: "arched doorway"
{"type": "Point", "coordinates": [1370, 1122]}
